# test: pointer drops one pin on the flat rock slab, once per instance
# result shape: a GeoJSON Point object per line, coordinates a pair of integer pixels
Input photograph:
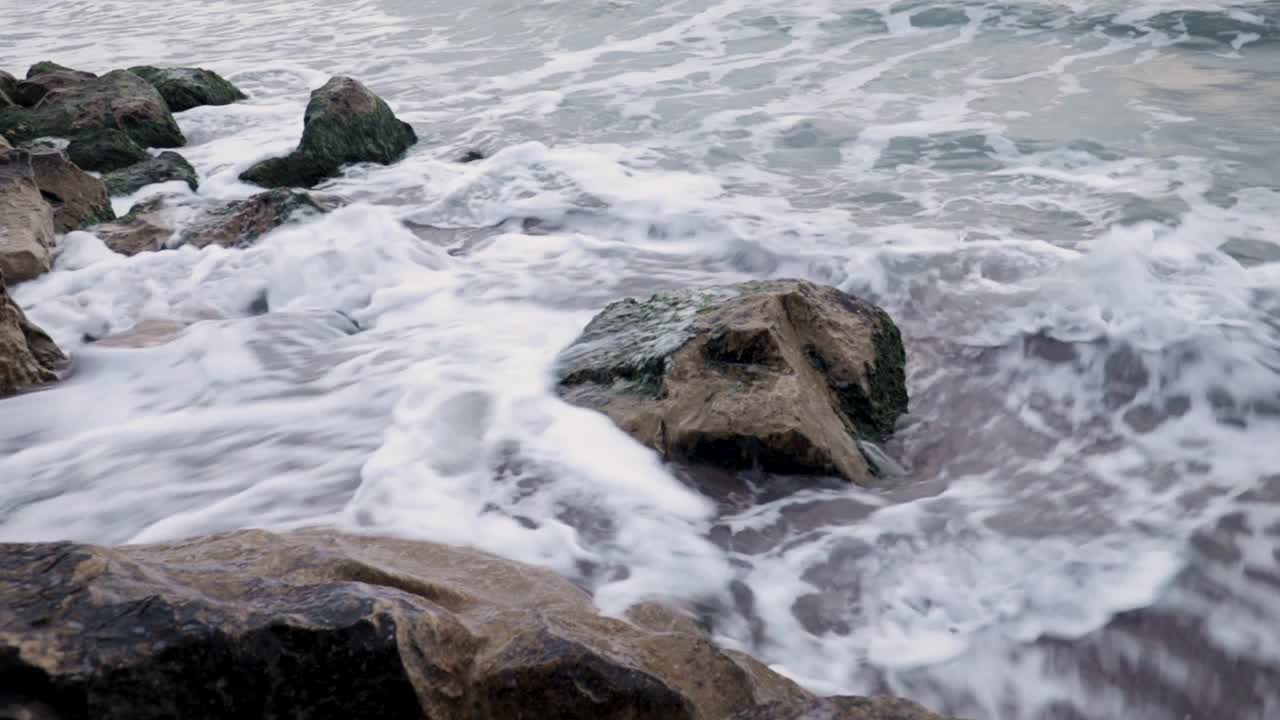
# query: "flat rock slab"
{"type": "Point", "coordinates": [315, 624]}
{"type": "Point", "coordinates": [26, 220]}
{"type": "Point", "coordinates": [344, 123]}
{"type": "Point", "coordinates": [782, 376]}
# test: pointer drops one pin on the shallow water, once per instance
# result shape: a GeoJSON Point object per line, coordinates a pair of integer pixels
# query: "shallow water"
{"type": "Point", "coordinates": [1071, 208]}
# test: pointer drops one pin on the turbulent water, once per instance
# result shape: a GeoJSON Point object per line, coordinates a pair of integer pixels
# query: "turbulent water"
{"type": "Point", "coordinates": [1072, 208]}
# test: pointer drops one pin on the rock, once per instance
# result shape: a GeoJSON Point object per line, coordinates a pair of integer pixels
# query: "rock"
{"type": "Point", "coordinates": [314, 624]}
{"type": "Point", "coordinates": [344, 123]}
{"type": "Point", "coordinates": [118, 99]}
{"type": "Point", "coordinates": [166, 166]}
{"type": "Point", "coordinates": [785, 376]}
{"type": "Point", "coordinates": [8, 88]}
{"type": "Point", "coordinates": [28, 357]}
{"type": "Point", "coordinates": [105, 150]}
{"type": "Point", "coordinates": [45, 77]}
{"type": "Point", "coordinates": [26, 220]}
{"type": "Point", "coordinates": [147, 333]}
{"type": "Point", "coordinates": [78, 198]}
{"type": "Point", "coordinates": [241, 222]}
{"type": "Point", "coordinates": [4, 144]}
{"type": "Point", "coordinates": [185, 88]}
{"type": "Point", "coordinates": [148, 226]}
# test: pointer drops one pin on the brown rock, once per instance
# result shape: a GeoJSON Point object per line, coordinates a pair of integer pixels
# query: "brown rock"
{"type": "Point", "coordinates": [78, 198]}
{"type": "Point", "coordinates": [28, 357]}
{"type": "Point", "coordinates": [314, 624]}
{"type": "Point", "coordinates": [44, 78]}
{"type": "Point", "coordinates": [26, 220]}
{"type": "Point", "coordinates": [840, 708]}
{"type": "Point", "coordinates": [148, 226]}
{"type": "Point", "coordinates": [785, 376]}
{"type": "Point", "coordinates": [241, 222]}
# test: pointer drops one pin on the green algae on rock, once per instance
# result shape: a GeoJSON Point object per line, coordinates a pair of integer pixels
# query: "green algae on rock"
{"type": "Point", "coordinates": [344, 123]}
{"type": "Point", "coordinates": [186, 88]}
{"type": "Point", "coordinates": [118, 100]}
{"type": "Point", "coordinates": [105, 150]}
{"type": "Point", "coordinates": [785, 376]}
{"type": "Point", "coordinates": [165, 167]}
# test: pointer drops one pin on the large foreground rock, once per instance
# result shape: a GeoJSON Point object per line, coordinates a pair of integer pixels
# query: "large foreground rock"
{"type": "Point", "coordinates": [318, 625]}
{"type": "Point", "coordinates": [344, 123]}
{"type": "Point", "coordinates": [26, 220]}
{"type": "Point", "coordinates": [784, 376]}
{"type": "Point", "coordinates": [165, 167]}
{"type": "Point", "coordinates": [118, 100]}
{"type": "Point", "coordinates": [28, 357]}
{"type": "Point", "coordinates": [186, 88]}
{"type": "Point", "coordinates": [78, 198]}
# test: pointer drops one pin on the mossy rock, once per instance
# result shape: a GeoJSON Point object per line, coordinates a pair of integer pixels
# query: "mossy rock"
{"type": "Point", "coordinates": [165, 167]}
{"type": "Point", "coordinates": [186, 88]}
{"type": "Point", "coordinates": [344, 123]}
{"type": "Point", "coordinates": [119, 100]}
{"type": "Point", "coordinates": [105, 150]}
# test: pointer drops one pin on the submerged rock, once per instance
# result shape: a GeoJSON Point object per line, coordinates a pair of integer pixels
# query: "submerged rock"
{"type": "Point", "coordinates": [28, 357]}
{"type": "Point", "coordinates": [105, 150]}
{"type": "Point", "coordinates": [243, 221]}
{"type": "Point", "coordinates": [78, 199]}
{"type": "Point", "coordinates": [344, 123]}
{"type": "Point", "coordinates": [26, 220]}
{"type": "Point", "coordinates": [164, 167]}
{"type": "Point", "coordinates": [314, 624]}
{"type": "Point", "coordinates": [186, 88]}
{"type": "Point", "coordinates": [785, 376]}
{"type": "Point", "coordinates": [118, 99]}
{"type": "Point", "coordinates": [146, 227]}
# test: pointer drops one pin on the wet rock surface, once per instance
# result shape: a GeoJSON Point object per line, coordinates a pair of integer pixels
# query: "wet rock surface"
{"type": "Point", "coordinates": [319, 625]}
{"type": "Point", "coordinates": [28, 357]}
{"type": "Point", "coordinates": [105, 150]}
{"type": "Point", "coordinates": [784, 376]}
{"type": "Point", "coordinates": [344, 123]}
{"type": "Point", "coordinates": [78, 199]}
{"type": "Point", "coordinates": [26, 220]}
{"type": "Point", "coordinates": [186, 88]}
{"type": "Point", "coordinates": [243, 221]}
{"type": "Point", "coordinates": [81, 104]}
{"type": "Point", "coordinates": [164, 167]}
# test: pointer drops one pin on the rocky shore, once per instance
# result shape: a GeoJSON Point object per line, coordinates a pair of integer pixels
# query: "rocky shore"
{"type": "Point", "coordinates": [783, 376]}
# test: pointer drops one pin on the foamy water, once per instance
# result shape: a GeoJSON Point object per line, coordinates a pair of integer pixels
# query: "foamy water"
{"type": "Point", "coordinates": [1071, 208]}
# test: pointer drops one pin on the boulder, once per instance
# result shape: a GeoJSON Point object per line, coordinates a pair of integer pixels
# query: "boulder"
{"type": "Point", "coordinates": [185, 88]}
{"type": "Point", "coordinates": [28, 357]}
{"type": "Point", "coordinates": [118, 99]}
{"type": "Point", "coordinates": [240, 222]}
{"type": "Point", "coordinates": [344, 123]}
{"type": "Point", "coordinates": [45, 77]}
{"type": "Point", "coordinates": [164, 167]}
{"type": "Point", "coordinates": [782, 376]}
{"type": "Point", "coordinates": [78, 198]}
{"type": "Point", "coordinates": [105, 150]}
{"type": "Point", "coordinates": [314, 624]}
{"type": "Point", "coordinates": [146, 227]}
{"type": "Point", "coordinates": [26, 220]}
{"type": "Point", "coordinates": [8, 88]}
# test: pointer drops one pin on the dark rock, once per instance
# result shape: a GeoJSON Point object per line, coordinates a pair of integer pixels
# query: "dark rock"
{"type": "Point", "coordinates": [46, 67]}
{"type": "Point", "coordinates": [241, 222]}
{"type": "Point", "coordinates": [118, 99]}
{"type": "Point", "coordinates": [471, 156]}
{"type": "Point", "coordinates": [8, 87]}
{"type": "Point", "coordinates": [314, 624]}
{"type": "Point", "coordinates": [147, 226]}
{"type": "Point", "coordinates": [344, 123]}
{"type": "Point", "coordinates": [186, 88]}
{"type": "Point", "coordinates": [105, 150]}
{"type": "Point", "coordinates": [31, 91]}
{"type": "Point", "coordinates": [784, 376]}
{"type": "Point", "coordinates": [28, 357]}
{"type": "Point", "coordinates": [26, 220]}
{"type": "Point", "coordinates": [166, 166]}
{"type": "Point", "coordinates": [78, 199]}
{"type": "Point", "coordinates": [840, 708]}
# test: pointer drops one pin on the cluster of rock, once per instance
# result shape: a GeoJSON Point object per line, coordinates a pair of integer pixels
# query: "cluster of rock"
{"type": "Point", "coordinates": [783, 377]}
{"type": "Point", "coordinates": [69, 123]}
